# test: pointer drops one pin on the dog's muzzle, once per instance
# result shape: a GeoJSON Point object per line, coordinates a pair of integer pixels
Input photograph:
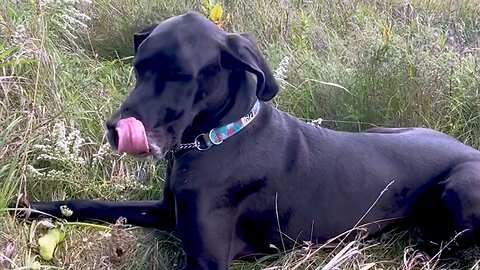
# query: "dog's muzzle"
{"type": "Point", "coordinates": [129, 136]}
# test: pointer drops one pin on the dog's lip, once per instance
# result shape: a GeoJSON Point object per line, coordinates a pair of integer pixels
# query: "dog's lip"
{"type": "Point", "coordinates": [155, 147]}
{"type": "Point", "coordinates": [141, 155]}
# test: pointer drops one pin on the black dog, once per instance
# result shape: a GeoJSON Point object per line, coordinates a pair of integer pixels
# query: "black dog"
{"type": "Point", "coordinates": [273, 179]}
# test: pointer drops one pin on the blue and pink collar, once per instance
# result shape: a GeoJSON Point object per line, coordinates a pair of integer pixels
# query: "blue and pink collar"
{"type": "Point", "coordinates": [217, 135]}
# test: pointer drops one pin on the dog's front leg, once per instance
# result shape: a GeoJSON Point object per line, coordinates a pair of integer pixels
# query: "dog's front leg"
{"type": "Point", "coordinates": [207, 231]}
{"type": "Point", "coordinates": [153, 214]}
{"type": "Point", "coordinates": [158, 214]}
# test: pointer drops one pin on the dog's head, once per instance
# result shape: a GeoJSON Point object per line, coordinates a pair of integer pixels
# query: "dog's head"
{"type": "Point", "coordinates": [191, 77]}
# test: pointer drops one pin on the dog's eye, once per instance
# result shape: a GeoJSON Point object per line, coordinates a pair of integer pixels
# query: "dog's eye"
{"type": "Point", "coordinates": [176, 77]}
{"type": "Point", "coordinates": [141, 70]}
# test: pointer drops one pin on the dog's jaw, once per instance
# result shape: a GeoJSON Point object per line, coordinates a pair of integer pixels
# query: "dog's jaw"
{"type": "Point", "coordinates": [158, 144]}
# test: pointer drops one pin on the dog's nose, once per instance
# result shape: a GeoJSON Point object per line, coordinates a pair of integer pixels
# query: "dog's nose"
{"type": "Point", "coordinates": [112, 134]}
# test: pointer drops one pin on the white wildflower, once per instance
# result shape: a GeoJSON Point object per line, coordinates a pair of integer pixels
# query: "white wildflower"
{"type": "Point", "coordinates": [76, 159]}
{"type": "Point", "coordinates": [32, 170]}
{"type": "Point", "coordinates": [145, 188]}
{"type": "Point", "coordinates": [20, 35]}
{"type": "Point", "coordinates": [281, 71]}
{"type": "Point", "coordinates": [74, 2]}
{"type": "Point", "coordinates": [62, 147]}
{"type": "Point", "coordinates": [74, 22]}
{"type": "Point", "coordinates": [83, 17]}
{"type": "Point", "coordinates": [72, 18]}
{"type": "Point", "coordinates": [55, 173]}
{"type": "Point", "coordinates": [100, 155]}
{"type": "Point", "coordinates": [47, 157]}
{"type": "Point", "coordinates": [46, 3]}
{"type": "Point", "coordinates": [75, 141]}
{"type": "Point", "coordinates": [78, 15]}
{"type": "Point", "coordinates": [119, 187]}
{"type": "Point", "coordinates": [23, 44]}
{"type": "Point", "coordinates": [42, 147]}
{"type": "Point", "coordinates": [59, 136]}
{"type": "Point", "coordinates": [132, 183]}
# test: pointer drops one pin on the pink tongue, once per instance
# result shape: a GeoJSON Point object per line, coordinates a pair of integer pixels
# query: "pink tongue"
{"type": "Point", "coordinates": [131, 136]}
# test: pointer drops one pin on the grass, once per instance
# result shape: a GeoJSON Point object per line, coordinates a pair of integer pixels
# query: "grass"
{"type": "Point", "coordinates": [355, 64]}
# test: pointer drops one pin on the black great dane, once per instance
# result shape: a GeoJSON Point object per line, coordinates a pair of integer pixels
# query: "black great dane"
{"type": "Point", "coordinates": [243, 175]}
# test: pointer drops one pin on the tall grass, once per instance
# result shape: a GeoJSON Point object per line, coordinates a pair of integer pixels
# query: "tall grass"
{"type": "Point", "coordinates": [66, 65]}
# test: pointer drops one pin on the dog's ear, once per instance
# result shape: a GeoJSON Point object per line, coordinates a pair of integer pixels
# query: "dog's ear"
{"type": "Point", "coordinates": [241, 52]}
{"type": "Point", "coordinates": [139, 37]}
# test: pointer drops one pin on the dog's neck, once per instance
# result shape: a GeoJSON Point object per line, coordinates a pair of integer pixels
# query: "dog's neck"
{"type": "Point", "coordinates": [216, 136]}
{"type": "Point", "coordinates": [237, 103]}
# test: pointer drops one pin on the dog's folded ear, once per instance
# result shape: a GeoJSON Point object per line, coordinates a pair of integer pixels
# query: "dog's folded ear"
{"type": "Point", "coordinates": [241, 52]}
{"type": "Point", "coordinates": [139, 37]}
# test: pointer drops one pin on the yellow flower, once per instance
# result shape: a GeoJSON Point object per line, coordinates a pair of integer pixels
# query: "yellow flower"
{"type": "Point", "coordinates": [216, 13]}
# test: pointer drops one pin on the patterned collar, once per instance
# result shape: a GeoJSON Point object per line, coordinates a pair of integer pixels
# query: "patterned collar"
{"type": "Point", "coordinates": [217, 135]}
